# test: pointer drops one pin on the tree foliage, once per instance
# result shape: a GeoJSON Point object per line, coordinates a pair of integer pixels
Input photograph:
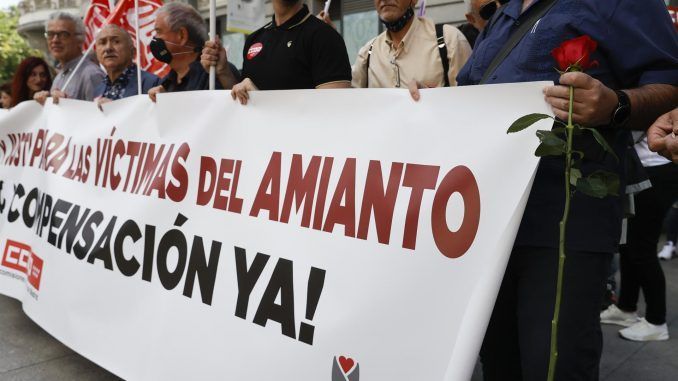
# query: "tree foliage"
{"type": "Point", "coordinates": [13, 48]}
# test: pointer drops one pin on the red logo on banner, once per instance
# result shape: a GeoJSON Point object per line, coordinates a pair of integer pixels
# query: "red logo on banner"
{"type": "Point", "coordinates": [254, 50]}
{"type": "Point", "coordinates": [20, 257]}
{"type": "Point", "coordinates": [35, 271]}
{"type": "Point", "coordinates": [16, 256]}
{"type": "Point", "coordinates": [345, 369]}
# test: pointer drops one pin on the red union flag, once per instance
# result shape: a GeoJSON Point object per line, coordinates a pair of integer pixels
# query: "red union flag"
{"type": "Point", "coordinates": [124, 15]}
{"type": "Point", "coordinates": [95, 19]}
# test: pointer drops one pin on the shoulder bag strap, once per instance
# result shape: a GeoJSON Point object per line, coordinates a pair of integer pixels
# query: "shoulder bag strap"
{"type": "Point", "coordinates": [442, 49]}
{"type": "Point", "coordinates": [538, 11]}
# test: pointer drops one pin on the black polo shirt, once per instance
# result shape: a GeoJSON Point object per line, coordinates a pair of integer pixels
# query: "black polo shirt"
{"type": "Point", "coordinates": [196, 79]}
{"type": "Point", "coordinates": [302, 53]}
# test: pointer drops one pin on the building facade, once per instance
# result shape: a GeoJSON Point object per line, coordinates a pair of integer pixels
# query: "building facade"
{"type": "Point", "coordinates": [356, 20]}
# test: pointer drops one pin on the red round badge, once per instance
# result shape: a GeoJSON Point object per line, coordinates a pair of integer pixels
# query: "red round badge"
{"type": "Point", "coordinates": [254, 50]}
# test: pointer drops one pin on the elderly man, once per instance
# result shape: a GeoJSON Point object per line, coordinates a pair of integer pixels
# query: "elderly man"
{"type": "Point", "coordinates": [411, 49]}
{"type": "Point", "coordinates": [294, 51]}
{"type": "Point", "coordinates": [662, 136]}
{"type": "Point", "coordinates": [115, 50]}
{"type": "Point", "coordinates": [65, 34]}
{"type": "Point", "coordinates": [180, 34]}
{"type": "Point", "coordinates": [633, 83]}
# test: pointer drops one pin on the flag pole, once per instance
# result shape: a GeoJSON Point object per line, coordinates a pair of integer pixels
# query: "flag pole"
{"type": "Point", "coordinates": [82, 59]}
{"type": "Point", "coordinates": [138, 49]}
{"type": "Point", "coordinates": [213, 34]}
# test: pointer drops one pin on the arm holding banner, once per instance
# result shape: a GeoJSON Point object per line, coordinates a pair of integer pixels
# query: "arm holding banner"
{"type": "Point", "coordinates": [661, 137]}
{"type": "Point", "coordinates": [214, 55]}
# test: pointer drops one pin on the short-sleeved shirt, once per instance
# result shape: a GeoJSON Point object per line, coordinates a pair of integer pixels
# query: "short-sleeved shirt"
{"type": "Point", "coordinates": [416, 58]}
{"type": "Point", "coordinates": [196, 78]}
{"type": "Point", "coordinates": [126, 84]}
{"type": "Point", "coordinates": [302, 53]}
{"type": "Point", "coordinates": [637, 45]}
{"type": "Point", "coordinates": [84, 82]}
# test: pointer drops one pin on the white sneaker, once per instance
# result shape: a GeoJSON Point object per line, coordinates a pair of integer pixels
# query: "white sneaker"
{"type": "Point", "coordinates": [644, 331]}
{"type": "Point", "coordinates": [667, 251]}
{"type": "Point", "coordinates": [613, 315]}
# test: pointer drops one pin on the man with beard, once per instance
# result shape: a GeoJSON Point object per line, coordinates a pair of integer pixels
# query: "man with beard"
{"type": "Point", "coordinates": [294, 51]}
{"type": "Point", "coordinates": [180, 33]}
{"type": "Point", "coordinates": [65, 34]}
{"type": "Point", "coordinates": [412, 49]}
{"type": "Point", "coordinates": [115, 50]}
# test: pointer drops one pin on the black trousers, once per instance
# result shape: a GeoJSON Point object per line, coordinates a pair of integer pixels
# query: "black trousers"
{"type": "Point", "coordinates": [517, 341]}
{"type": "Point", "coordinates": [639, 265]}
{"type": "Point", "coordinates": [672, 223]}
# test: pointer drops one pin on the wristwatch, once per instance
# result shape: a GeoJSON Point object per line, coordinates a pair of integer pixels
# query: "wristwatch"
{"type": "Point", "coordinates": [622, 112]}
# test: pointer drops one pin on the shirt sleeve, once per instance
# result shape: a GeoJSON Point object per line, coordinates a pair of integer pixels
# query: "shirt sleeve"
{"type": "Point", "coordinates": [92, 78]}
{"type": "Point", "coordinates": [329, 59]}
{"type": "Point", "coordinates": [639, 40]}
{"type": "Point", "coordinates": [458, 51]}
{"type": "Point", "coordinates": [359, 70]}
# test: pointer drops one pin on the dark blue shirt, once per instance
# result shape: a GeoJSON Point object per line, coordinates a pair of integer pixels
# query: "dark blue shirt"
{"type": "Point", "coordinates": [637, 45]}
{"type": "Point", "coordinates": [126, 84]}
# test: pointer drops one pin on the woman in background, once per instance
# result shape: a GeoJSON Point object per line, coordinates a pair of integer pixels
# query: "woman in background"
{"type": "Point", "coordinates": [5, 95]}
{"type": "Point", "coordinates": [31, 76]}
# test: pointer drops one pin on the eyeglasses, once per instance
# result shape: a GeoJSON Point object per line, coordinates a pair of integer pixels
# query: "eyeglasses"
{"type": "Point", "coordinates": [488, 10]}
{"type": "Point", "coordinates": [60, 35]}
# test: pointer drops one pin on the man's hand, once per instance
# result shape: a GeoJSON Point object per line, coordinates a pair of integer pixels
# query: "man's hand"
{"type": "Point", "coordinates": [56, 95]}
{"type": "Point", "coordinates": [593, 103]}
{"type": "Point", "coordinates": [41, 96]}
{"type": "Point", "coordinates": [154, 91]}
{"type": "Point", "coordinates": [661, 136]}
{"type": "Point", "coordinates": [241, 90]}
{"type": "Point", "coordinates": [214, 54]}
{"type": "Point", "coordinates": [101, 100]}
{"type": "Point", "coordinates": [414, 87]}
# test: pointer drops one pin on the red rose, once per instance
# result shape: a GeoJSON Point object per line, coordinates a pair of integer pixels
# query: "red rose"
{"type": "Point", "coordinates": [575, 54]}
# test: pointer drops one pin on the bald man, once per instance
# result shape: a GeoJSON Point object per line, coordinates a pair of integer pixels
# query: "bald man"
{"type": "Point", "coordinates": [115, 50]}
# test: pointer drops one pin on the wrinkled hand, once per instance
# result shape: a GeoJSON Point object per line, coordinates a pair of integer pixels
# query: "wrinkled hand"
{"type": "Point", "coordinates": [593, 104]}
{"type": "Point", "coordinates": [414, 87]}
{"type": "Point", "coordinates": [56, 95]}
{"type": "Point", "coordinates": [661, 136]}
{"type": "Point", "coordinates": [41, 96]}
{"type": "Point", "coordinates": [242, 89]}
{"type": "Point", "coordinates": [214, 54]}
{"type": "Point", "coordinates": [101, 100]}
{"type": "Point", "coordinates": [154, 91]}
{"type": "Point", "coordinates": [325, 17]}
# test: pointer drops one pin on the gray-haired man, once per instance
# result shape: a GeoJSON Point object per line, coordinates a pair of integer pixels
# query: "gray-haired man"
{"type": "Point", "coordinates": [180, 33]}
{"type": "Point", "coordinates": [65, 34]}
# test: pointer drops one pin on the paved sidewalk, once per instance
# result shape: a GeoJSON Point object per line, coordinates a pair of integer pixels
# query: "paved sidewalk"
{"type": "Point", "coordinates": [27, 353]}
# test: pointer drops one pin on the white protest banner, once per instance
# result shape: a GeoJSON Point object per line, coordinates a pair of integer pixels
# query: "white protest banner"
{"type": "Point", "coordinates": [310, 235]}
{"type": "Point", "coordinates": [245, 16]}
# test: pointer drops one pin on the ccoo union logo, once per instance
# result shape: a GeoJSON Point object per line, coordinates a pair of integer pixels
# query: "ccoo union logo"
{"type": "Point", "coordinates": [345, 369]}
{"type": "Point", "coordinates": [19, 257]}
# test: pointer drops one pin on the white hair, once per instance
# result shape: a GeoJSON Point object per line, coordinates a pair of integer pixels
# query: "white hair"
{"type": "Point", "coordinates": [181, 15]}
{"type": "Point", "coordinates": [77, 22]}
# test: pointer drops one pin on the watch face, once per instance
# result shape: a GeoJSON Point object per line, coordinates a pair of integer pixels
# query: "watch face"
{"type": "Point", "coordinates": [621, 114]}
{"type": "Point", "coordinates": [623, 111]}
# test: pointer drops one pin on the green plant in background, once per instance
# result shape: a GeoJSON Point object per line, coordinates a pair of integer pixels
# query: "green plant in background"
{"type": "Point", "coordinates": [13, 48]}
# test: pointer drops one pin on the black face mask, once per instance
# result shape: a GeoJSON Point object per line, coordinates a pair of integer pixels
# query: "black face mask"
{"type": "Point", "coordinates": [399, 24]}
{"type": "Point", "coordinates": [159, 50]}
